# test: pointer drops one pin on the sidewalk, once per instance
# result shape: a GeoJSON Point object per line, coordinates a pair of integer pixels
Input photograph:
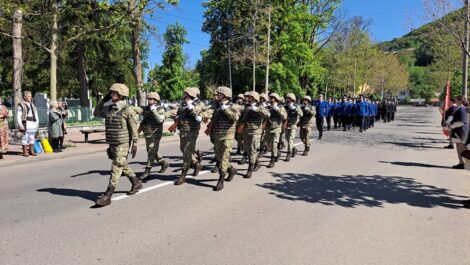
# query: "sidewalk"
{"type": "Point", "coordinates": [76, 146]}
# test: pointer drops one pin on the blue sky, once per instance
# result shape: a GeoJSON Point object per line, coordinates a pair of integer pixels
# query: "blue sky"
{"type": "Point", "coordinates": [391, 19]}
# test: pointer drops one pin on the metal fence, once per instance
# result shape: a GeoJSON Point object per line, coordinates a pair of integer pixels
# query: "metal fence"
{"type": "Point", "coordinates": [75, 115]}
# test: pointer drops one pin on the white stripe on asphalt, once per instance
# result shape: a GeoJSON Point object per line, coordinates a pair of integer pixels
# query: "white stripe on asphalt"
{"type": "Point", "coordinates": [155, 187]}
{"type": "Point", "coordinates": [166, 184]}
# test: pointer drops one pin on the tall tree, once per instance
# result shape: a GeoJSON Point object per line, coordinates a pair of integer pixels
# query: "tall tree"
{"type": "Point", "coordinates": [170, 77]}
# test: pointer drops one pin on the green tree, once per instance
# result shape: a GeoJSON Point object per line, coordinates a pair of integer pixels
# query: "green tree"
{"type": "Point", "coordinates": [170, 77]}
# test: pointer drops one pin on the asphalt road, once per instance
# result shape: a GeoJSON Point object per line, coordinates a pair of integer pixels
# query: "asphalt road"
{"type": "Point", "coordinates": [386, 196]}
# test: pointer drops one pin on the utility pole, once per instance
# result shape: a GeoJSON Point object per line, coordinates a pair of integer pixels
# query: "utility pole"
{"type": "Point", "coordinates": [17, 61]}
{"type": "Point", "coordinates": [355, 74]}
{"type": "Point", "coordinates": [229, 67]}
{"type": "Point", "coordinates": [465, 51]}
{"type": "Point", "coordinates": [266, 84]}
{"type": "Point", "coordinates": [254, 45]}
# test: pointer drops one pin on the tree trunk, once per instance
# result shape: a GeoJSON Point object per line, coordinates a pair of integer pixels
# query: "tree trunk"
{"type": "Point", "coordinates": [53, 52]}
{"type": "Point", "coordinates": [17, 61]}
{"type": "Point", "coordinates": [82, 76]}
{"type": "Point", "coordinates": [135, 41]}
{"type": "Point", "coordinates": [465, 51]}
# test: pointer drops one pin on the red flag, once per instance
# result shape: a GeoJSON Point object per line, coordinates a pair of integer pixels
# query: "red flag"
{"type": "Point", "coordinates": [447, 104]}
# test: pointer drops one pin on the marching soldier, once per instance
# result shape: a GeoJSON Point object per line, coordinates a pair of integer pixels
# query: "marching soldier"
{"type": "Point", "coordinates": [121, 131]}
{"type": "Point", "coordinates": [293, 115]}
{"type": "Point", "coordinates": [306, 123]}
{"type": "Point", "coordinates": [152, 126]}
{"type": "Point", "coordinates": [240, 100]}
{"type": "Point", "coordinates": [273, 131]}
{"type": "Point", "coordinates": [224, 122]}
{"type": "Point", "coordinates": [188, 120]}
{"type": "Point", "coordinates": [253, 117]}
{"type": "Point", "coordinates": [330, 112]}
{"type": "Point", "coordinates": [264, 101]}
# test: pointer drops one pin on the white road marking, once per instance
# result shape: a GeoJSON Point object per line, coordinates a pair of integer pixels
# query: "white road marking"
{"type": "Point", "coordinates": [166, 183]}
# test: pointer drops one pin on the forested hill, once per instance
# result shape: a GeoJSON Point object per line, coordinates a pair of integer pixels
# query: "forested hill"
{"type": "Point", "coordinates": [431, 55]}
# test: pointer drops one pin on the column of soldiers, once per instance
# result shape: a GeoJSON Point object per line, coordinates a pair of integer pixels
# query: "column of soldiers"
{"type": "Point", "coordinates": [257, 123]}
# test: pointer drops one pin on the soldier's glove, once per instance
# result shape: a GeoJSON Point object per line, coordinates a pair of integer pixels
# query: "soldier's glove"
{"type": "Point", "coordinates": [292, 107]}
{"type": "Point", "coordinates": [275, 107]}
{"type": "Point", "coordinates": [153, 108]}
{"type": "Point", "coordinates": [109, 153]}
{"type": "Point", "coordinates": [189, 106]}
{"type": "Point", "coordinates": [198, 118]}
{"type": "Point", "coordinates": [134, 150]}
{"type": "Point", "coordinates": [253, 107]}
{"type": "Point", "coordinates": [223, 107]}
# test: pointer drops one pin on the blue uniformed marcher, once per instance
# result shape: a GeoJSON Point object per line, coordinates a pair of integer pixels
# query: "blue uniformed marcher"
{"type": "Point", "coordinates": [321, 109]}
{"type": "Point", "coordinates": [329, 114]}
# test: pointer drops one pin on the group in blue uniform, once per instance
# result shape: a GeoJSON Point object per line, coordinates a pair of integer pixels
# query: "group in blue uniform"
{"type": "Point", "coordinates": [348, 113]}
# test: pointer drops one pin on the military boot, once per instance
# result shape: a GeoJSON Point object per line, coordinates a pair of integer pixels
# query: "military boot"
{"type": "Point", "coordinates": [25, 151]}
{"type": "Point", "coordinates": [136, 185]}
{"type": "Point", "coordinates": [243, 160]}
{"type": "Point", "coordinates": [164, 165]}
{"type": "Point", "coordinates": [231, 173]}
{"type": "Point", "coordinates": [146, 174]}
{"type": "Point", "coordinates": [239, 150]}
{"type": "Point", "coordinates": [294, 152]}
{"type": "Point", "coordinates": [288, 156]}
{"type": "Point", "coordinates": [276, 159]}
{"type": "Point", "coordinates": [220, 183]}
{"type": "Point", "coordinates": [197, 168]}
{"type": "Point", "coordinates": [105, 199]}
{"type": "Point", "coordinates": [307, 149]}
{"type": "Point", "coordinates": [271, 163]}
{"type": "Point", "coordinates": [250, 171]}
{"type": "Point", "coordinates": [31, 150]}
{"type": "Point", "coordinates": [199, 155]}
{"type": "Point", "coordinates": [182, 178]}
{"type": "Point", "coordinates": [257, 165]}
{"type": "Point", "coordinates": [215, 169]}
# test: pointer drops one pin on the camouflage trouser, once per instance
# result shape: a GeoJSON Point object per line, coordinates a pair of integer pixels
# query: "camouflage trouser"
{"type": "Point", "coordinates": [240, 138]}
{"type": "Point", "coordinates": [251, 142]}
{"type": "Point", "coordinates": [290, 136]}
{"type": "Point", "coordinates": [152, 143]}
{"type": "Point", "coordinates": [187, 147]}
{"type": "Point", "coordinates": [222, 148]}
{"type": "Point", "coordinates": [305, 133]}
{"type": "Point", "coordinates": [119, 166]}
{"type": "Point", "coordinates": [272, 141]}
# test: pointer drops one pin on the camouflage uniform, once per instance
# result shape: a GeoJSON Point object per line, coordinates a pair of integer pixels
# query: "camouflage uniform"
{"type": "Point", "coordinates": [264, 99]}
{"type": "Point", "coordinates": [121, 122]}
{"type": "Point", "coordinates": [239, 135]}
{"type": "Point", "coordinates": [306, 124]}
{"type": "Point", "coordinates": [224, 120]}
{"type": "Point", "coordinates": [277, 115]}
{"type": "Point", "coordinates": [189, 124]}
{"type": "Point", "coordinates": [293, 114]}
{"type": "Point", "coordinates": [152, 126]}
{"type": "Point", "coordinates": [253, 117]}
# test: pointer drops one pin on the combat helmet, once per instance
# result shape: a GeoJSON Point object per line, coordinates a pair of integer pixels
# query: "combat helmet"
{"type": "Point", "coordinates": [121, 89]}
{"type": "Point", "coordinates": [153, 95]}
{"type": "Point", "coordinates": [254, 94]}
{"type": "Point", "coordinates": [192, 91]}
{"type": "Point", "coordinates": [291, 96]}
{"type": "Point", "coordinates": [224, 91]}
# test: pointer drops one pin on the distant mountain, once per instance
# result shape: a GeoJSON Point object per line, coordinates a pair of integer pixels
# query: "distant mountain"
{"type": "Point", "coordinates": [417, 37]}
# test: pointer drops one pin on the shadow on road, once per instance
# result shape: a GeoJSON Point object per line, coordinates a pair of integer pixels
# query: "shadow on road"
{"type": "Point", "coordinates": [85, 194]}
{"type": "Point", "coordinates": [411, 145]}
{"type": "Point", "coordinates": [351, 191]}
{"type": "Point", "coordinates": [90, 172]}
{"type": "Point", "coordinates": [413, 164]}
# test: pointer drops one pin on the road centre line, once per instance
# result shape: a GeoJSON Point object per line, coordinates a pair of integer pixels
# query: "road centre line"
{"type": "Point", "coordinates": [166, 183]}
